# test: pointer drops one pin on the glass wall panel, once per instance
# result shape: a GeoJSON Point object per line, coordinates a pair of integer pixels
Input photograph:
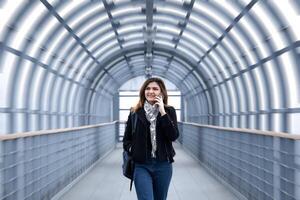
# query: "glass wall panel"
{"type": "Point", "coordinates": [81, 68]}
{"type": "Point", "coordinates": [7, 74]}
{"type": "Point", "coordinates": [22, 84]}
{"type": "Point", "coordinates": [218, 58]}
{"type": "Point", "coordinates": [169, 29]}
{"type": "Point", "coordinates": [289, 13]}
{"type": "Point", "coordinates": [132, 43]}
{"type": "Point", "coordinates": [24, 29]}
{"type": "Point", "coordinates": [64, 96]}
{"type": "Point", "coordinates": [243, 121]}
{"type": "Point", "coordinates": [65, 10]}
{"type": "Point", "coordinates": [294, 119]}
{"type": "Point", "coordinates": [234, 53]}
{"type": "Point", "coordinates": [252, 120]}
{"type": "Point", "coordinates": [19, 119]}
{"type": "Point", "coordinates": [197, 76]}
{"type": "Point", "coordinates": [164, 36]}
{"type": "Point", "coordinates": [276, 120]}
{"type": "Point", "coordinates": [37, 84]}
{"type": "Point", "coordinates": [232, 97]}
{"type": "Point", "coordinates": [47, 93]}
{"type": "Point", "coordinates": [56, 95]}
{"type": "Point", "coordinates": [261, 88]}
{"type": "Point", "coordinates": [207, 10]}
{"type": "Point", "coordinates": [105, 39]}
{"type": "Point", "coordinates": [225, 105]}
{"type": "Point", "coordinates": [104, 48]}
{"type": "Point", "coordinates": [56, 44]}
{"type": "Point", "coordinates": [62, 121]}
{"type": "Point", "coordinates": [8, 11]}
{"type": "Point", "coordinates": [241, 98]}
{"type": "Point", "coordinates": [91, 24]}
{"type": "Point", "coordinates": [109, 50]}
{"type": "Point", "coordinates": [127, 102]}
{"type": "Point", "coordinates": [188, 52]}
{"type": "Point", "coordinates": [220, 110]}
{"type": "Point", "coordinates": [54, 121]}
{"type": "Point", "coordinates": [274, 84]}
{"type": "Point", "coordinates": [244, 48]}
{"type": "Point", "coordinates": [263, 121]}
{"type": "Point", "coordinates": [250, 90]}
{"type": "Point", "coordinates": [82, 16]}
{"type": "Point", "coordinates": [133, 36]}
{"type": "Point", "coordinates": [169, 44]}
{"type": "Point", "coordinates": [123, 115]}
{"type": "Point", "coordinates": [211, 28]}
{"type": "Point", "coordinates": [289, 68]}
{"type": "Point", "coordinates": [196, 42]}
{"type": "Point", "coordinates": [45, 121]}
{"type": "Point", "coordinates": [4, 123]}
{"type": "Point", "coordinates": [163, 19]}
{"type": "Point", "coordinates": [230, 6]}
{"type": "Point", "coordinates": [33, 122]}
{"type": "Point", "coordinates": [18, 39]}
{"type": "Point", "coordinates": [174, 101]}
{"type": "Point", "coordinates": [91, 35]}
{"type": "Point", "coordinates": [273, 28]}
{"type": "Point", "coordinates": [235, 121]}
{"type": "Point", "coordinates": [170, 10]}
{"type": "Point", "coordinates": [70, 121]}
{"type": "Point", "coordinates": [257, 38]}
{"type": "Point", "coordinates": [121, 11]}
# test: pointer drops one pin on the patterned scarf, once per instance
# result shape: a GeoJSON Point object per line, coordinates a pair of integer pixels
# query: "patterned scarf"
{"type": "Point", "coordinates": [151, 114]}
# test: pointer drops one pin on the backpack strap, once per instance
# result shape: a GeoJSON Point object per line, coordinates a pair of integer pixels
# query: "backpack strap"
{"type": "Point", "coordinates": [133, 122]}
{"type": "Point", "coordinates": [133, 125]}
{"type": "Point", "coordinates": [131, 181]}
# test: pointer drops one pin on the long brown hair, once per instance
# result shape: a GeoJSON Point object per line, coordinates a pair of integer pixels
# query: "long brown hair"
{"type": "Point", "coordinates": [142, 99]}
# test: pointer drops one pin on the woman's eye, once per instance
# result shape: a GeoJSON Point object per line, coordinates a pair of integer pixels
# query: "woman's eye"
{"type": "Point", "coordinates": [152, 89]}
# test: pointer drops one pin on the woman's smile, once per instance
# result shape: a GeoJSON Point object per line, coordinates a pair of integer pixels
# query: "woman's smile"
{"type": "Point", "coordinates": [152, 90]}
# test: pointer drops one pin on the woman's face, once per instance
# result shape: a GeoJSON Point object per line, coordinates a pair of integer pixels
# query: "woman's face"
{"type": "Point", "coordinates": [152, 90]}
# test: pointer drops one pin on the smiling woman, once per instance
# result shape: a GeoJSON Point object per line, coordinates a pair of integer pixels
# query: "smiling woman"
{"type": "Point", "coordinates": [150, 142]}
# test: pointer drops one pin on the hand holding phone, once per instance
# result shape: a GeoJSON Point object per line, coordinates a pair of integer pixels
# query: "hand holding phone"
{"type": "Point", "coordinates": [160, 103]}
{"type": "Point", "coordinates": [158, 98]}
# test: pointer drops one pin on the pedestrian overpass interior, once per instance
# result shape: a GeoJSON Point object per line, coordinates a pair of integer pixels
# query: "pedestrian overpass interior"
{"type": "Point", "coordinates": [235, 63]}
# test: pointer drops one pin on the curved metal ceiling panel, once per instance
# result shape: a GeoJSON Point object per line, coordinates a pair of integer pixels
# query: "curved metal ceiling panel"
{"type": "Point", "coordinates": [222, 56]}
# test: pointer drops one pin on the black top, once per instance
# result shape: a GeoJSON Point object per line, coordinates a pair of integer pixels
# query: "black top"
{"type": "Point", "coordinates": [139, 145]}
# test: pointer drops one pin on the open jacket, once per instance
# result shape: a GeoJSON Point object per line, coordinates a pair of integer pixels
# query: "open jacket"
{"type": "Point", "coordinates": [139, 144]}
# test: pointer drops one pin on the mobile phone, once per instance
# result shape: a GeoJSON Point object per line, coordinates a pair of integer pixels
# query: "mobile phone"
{"type": "Point", "coordinates": [160, 96]}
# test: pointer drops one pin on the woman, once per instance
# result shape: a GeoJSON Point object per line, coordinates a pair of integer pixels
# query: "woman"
{"type": "Point", "coordinates": [151, 145]}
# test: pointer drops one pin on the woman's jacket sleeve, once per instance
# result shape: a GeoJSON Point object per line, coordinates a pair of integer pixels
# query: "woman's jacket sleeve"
{"type": "Point", "coordinates": [169, 125]}
{"type": "Point", "coordinates": [127, 139]}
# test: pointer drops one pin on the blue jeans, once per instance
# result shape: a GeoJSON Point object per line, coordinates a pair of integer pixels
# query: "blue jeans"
{"type": "Point", "coordinates": [152, 180]}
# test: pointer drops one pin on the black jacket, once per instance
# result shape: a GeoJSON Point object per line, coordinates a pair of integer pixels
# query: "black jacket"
{"type": "Point", "coordinates": [139, 145]}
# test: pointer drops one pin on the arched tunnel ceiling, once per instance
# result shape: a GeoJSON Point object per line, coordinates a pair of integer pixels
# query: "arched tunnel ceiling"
{"type": "Point", "coordinates": [175, 38]}
{"type": "Point", "coordinates": [223, 50]}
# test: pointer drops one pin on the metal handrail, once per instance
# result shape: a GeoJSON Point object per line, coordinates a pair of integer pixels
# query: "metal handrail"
{"type": "Point", "coordinates": [51, 131]}
{"type": "Point", "coordinates": [253, 131]}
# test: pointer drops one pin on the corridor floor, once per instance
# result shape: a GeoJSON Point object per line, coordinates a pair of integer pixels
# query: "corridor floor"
{"type": "Point", "coordinates": [190, 181]}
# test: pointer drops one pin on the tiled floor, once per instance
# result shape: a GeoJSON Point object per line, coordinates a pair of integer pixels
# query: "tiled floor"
{"type": "Point", "coordinates": [190, 182]}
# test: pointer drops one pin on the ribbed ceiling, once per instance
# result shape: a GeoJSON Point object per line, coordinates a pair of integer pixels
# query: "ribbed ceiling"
{"type": "Point", "coordinates": [226, 53]}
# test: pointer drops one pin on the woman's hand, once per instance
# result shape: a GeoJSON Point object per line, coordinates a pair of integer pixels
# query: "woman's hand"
{"type": "Point", "coordinates": [160, 104]}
